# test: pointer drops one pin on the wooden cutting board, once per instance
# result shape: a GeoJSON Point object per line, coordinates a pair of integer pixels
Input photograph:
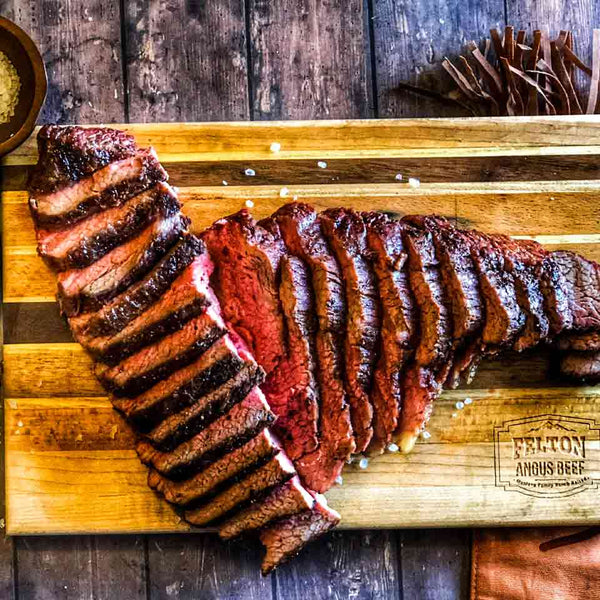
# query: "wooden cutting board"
{"type": "Point", "coordinates": [516, 447]}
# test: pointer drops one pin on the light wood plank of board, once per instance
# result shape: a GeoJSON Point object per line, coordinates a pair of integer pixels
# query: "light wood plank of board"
{"type": "Point", "coordinates": [357, 138]}
{"type": "Point", "coordinates": [53, 471]}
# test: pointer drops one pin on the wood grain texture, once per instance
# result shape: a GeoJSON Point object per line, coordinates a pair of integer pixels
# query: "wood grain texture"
{"type": "Point", "coordinates": [81, 47]}
{"type": "Point", "coordinates": [449, 551]}
{"type": "Point", "coordinates": [412, 38]}
{"type": "Point", "coordinates": [357, 564]}
{"type": "Point", "coordinates": [207, 568]}
{"type": "Point", "coordinates": [308, 59]}
{"type": "Point", "coordinates": [186, 61]}
{"type": "Point", "coordinates": [7, 565]}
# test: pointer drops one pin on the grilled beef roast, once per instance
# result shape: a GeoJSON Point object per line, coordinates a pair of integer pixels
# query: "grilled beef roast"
{"type": "Point", "coordinates": [341, 328]}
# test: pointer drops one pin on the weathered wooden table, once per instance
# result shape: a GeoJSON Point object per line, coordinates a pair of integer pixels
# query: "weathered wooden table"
{"type": "Point", "coordinates": [195, 60]}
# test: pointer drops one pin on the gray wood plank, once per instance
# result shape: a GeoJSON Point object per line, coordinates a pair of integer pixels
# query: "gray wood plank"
{"type": "Point", "coordinates": [7, 583]}
{"type": "Point", "coordinates": [410, 41]}
{"type": "Point", "coordinates": [81, 46]}
{"type": "Point", "coordinates": [51, 568]}
{"type": "Point", "coordinates": [202, 566]}
{"type": "Point", "coordinates": [436, 564]}
{"type": "Point", "coordinates": [308, 59]}
{"type": "Point", "coordinates": [186, 61]}
{"type": "Point", "coordinates": [580, 17]}
{"type": "Point", "coordinates": [348, 564]}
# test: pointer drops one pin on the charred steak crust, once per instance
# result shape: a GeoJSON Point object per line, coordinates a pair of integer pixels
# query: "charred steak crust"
{"type": "Point", "coordinates": [399, 324]}
{"type": "Point", "coordinates": [301, 231]}
{"type": "Point", "coordinates": [581, 342]}
{"type": "Point", "coordinates": [115, 315]}
{"type": "Point", "coordinates": [581, 366]}
{"type": "Point", "coordinates": [229, 468]}
{"type": "Point", "coordinates": [86, 248]}
{"type": "Point", "coordinates": [215, 367]}
{"type": "Point", "coordinates": [67, 154]}
{"type": "Point", "coordinates": [346, 233]}
{"type": "Point", "coordinates": [138, 264]}
{"type": "Point", "coordinates": [183, 425]}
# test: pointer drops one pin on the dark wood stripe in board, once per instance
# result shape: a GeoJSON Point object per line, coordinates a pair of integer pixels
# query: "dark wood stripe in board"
{"type": "Point", "coordinates": [384, 170]}
{"type": "Point", "coordinates": [34, 323]}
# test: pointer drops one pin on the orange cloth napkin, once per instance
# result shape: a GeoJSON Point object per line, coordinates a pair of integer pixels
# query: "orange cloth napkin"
{"type": "Point", "coordinates": [508, 564]}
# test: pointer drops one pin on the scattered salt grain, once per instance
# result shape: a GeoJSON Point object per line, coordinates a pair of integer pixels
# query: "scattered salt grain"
{"type": "Point", "coordinates": [442, 21]}
{"type": "Point", "coordinates": [468, 400]}
{"type": "Point", "coordinates": [2, 524]}
{"type": "Point", "coordinates": [363, 463]}
{"type": "Point", "coordinates": [425, 435]}
{"type": "Point", "coordinates": [460, 405]}
{"type": "Point", "coordinates": [295, 197]}
{"type": "Point", "coordinates": [322, 164]}
{"type": "Point", "coordinates": [249, 204]}
{"type": "Point", "coordinates": [393, 447]}
{"type": "Point", "coordinates": [414, 182]}
{"type": "Point", "coordinates": [350, 460]}
{"type": "Point", "coordinates": [20, 423]}
{"type": "Point", "coordinates": [224, 182]}
{"type": "Point", "coordinates": [283, 192]}
{"type": "Point", "coordinates": [398, 177]}
{"type": "Point", "coordinates": [250, 172]}
{"type": "Point", "coordinates": [339, 480]}
{"type": "Point", "coordinates": [454, 415]}
{"type": "Point", "coordinates": [275, 147]}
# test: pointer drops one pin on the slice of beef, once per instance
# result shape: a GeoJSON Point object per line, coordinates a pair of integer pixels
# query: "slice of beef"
{"type": "Point", "coordinates": [346, 233]}
{"type": "Point", "coordinates": [107, 187]}
{"type": "Point", "coordinates": [243, 422]}
{"type": "Point", "coordinates": [580, 342]}
{"type": "Point", "coordinates": [115, 315]}
{"type": "Point", "coordinates": [82, 290]}
{"type": "Point", "coordinates": [183, 425]}
{"type": "Point", "coordinates": [86, 241]}
{"type": "Point", "coordinates": [556, 300]}
{"type": "Point", "coordinates": [255, 485]}
{"type": "Point", "coordinates": [285, 538]}
{"type": "Point", "coordinates": [187, 298]}
{"type": "Point", "coordinates": [421, 387]}
{"type": "Point", "coordinates": [246, 281]}
{"type": "Point", "coordinates": [461, 282]}
{"type": "Point", "coordinates": [285, 500]}
{"type": "Point", "coordinates": [211, 480]}
{"type": "Point", "coordinates": [583, 367]}
{"type": "Point", "coordinates": [150, 365]}
{"type": "Point", "coordinates": [291, 389]}
{"type": "Point", "coordinates": [67, 154]}
{"type": "Point", "coordinates": [213, 368]}
{"type": "Point", "coordinates": [582, 278]}
{"type": "Point", "coordinates": [301, 231]}
{"type": "Point", "coordinates": [399, 324]}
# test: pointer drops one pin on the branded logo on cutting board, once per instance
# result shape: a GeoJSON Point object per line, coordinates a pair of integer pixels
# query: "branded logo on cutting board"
{"type": "Point", "coordinates": [547, 455]}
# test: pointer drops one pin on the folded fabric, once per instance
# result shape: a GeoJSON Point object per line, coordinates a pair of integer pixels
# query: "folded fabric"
{"type": "Point", "coordinates": [529, 564]}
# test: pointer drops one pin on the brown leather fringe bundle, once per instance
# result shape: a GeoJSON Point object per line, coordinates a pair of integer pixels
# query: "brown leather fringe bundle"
{"type": "Point", "coordinates": [526, 78]}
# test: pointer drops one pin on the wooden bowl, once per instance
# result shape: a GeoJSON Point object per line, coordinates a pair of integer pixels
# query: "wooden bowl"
{"type": "Point", "coordinates": [24, 55]}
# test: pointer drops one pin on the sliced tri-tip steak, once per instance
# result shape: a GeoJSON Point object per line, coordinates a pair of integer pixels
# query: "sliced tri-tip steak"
{"type": "Point", "coordinates": [119, 312]}
{"type": "Point", "coordinates": [285, 500]}
{"type": "Point", "coordinates": [581, 366]}
{"type": "Point", "coordinates": [346, 233]}
{"type": "Point", "coordinates": [253, 274]}
{"type": "Point", "coordinates": [246, 281]}
{"type": "Point", "coordinates": [243, 422]}
{"type": "Point", "coordinates": [183, 425]}
{"type": "Point", "coordinates": [187, 298]}
{"type": "Point", "coordinates": [399, 324]}
{"type": "Point", "coordinates": [461, 281]}
{"type": "Point", "coordinates": [79, 245]}
{"type": "Point", "coordinates": [139, 372]}
{"type": "Point", "coordinates": [213, 368]}
{"type": "Point", "coordinates": [70, 153]}
{"type": "Point", "coordinates": [582, 279]}
{"type": "Point", "coordinates": [252, 487]}
{"type": "Point", "coordinates": [301, 231]}
{"type": "Point", "coordinates": [83, 290]}
{"type": "Point", "coordinates": [108, 187]}
{"type": "Point", "coordinates": [229, 468]}
{"type": "Point", "coordinates": [581, 342]}
{"type": "Point", "coordinates": [421, 381]}
{"type": "Point", "coordinates": [286, 537]}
